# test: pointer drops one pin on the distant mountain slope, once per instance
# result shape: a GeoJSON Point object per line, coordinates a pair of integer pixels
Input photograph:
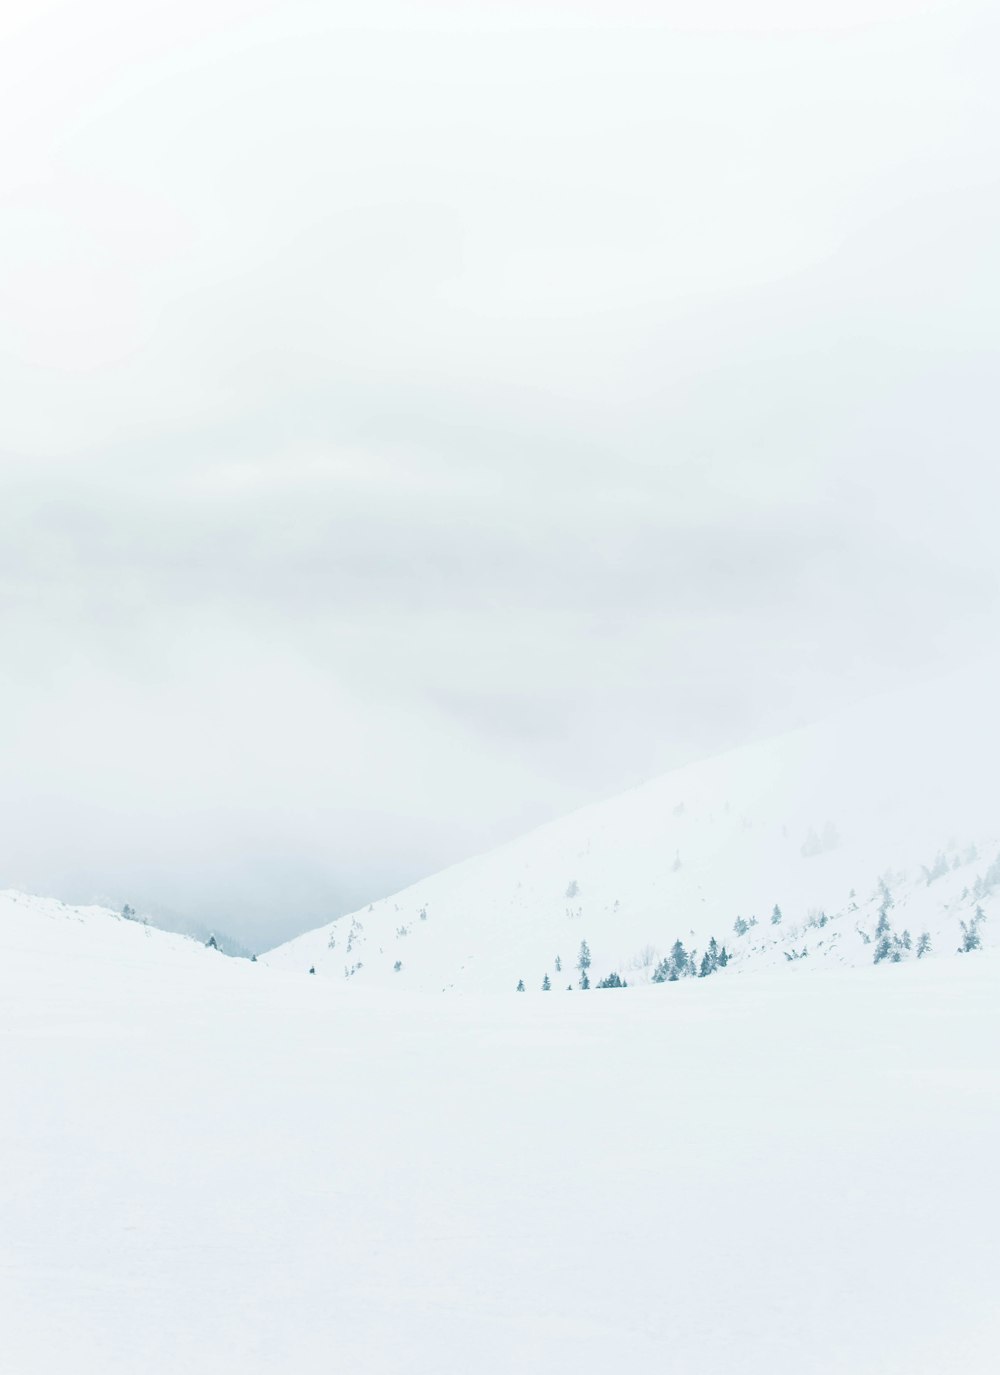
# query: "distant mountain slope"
{"type": "Point", "coordinates": [90, 933]}
{"type": "Point", "coordinates": [891, 806]}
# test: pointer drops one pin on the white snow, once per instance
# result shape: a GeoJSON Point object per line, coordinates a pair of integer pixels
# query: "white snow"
{"type": "Point", "coordinates": [810, 821]}
{"type": "Point", "coordinates": [209, 1166]}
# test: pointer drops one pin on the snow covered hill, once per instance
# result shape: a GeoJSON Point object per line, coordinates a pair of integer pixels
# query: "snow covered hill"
{"type": "Point", "coordinates": [875, 832]}
{"type": "Point", "coordinates": [207, 1165]}
{"type": "Point", "coordinates": [94, 936]}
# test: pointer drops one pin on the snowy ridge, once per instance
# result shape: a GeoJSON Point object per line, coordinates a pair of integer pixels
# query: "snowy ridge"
{"type": "Point", "coordinates": [892, 805]}
{"type": "Point", "coordinates": [90, 933]}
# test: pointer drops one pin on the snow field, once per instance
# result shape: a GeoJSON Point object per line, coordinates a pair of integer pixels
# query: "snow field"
{"type": "Point", "coordinates": [209, 1165]}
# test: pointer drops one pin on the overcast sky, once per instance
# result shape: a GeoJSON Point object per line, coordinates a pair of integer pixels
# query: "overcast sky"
{"type": "Point", "coordinates": [419, 419]}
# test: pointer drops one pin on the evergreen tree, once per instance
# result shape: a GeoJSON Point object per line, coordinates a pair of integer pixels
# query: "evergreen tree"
{"type": "Point", "coordinates": [677, 965]}
{"type": "Point", "coordinates": [520, 986]}
{"type": "Point", "coordinates": [971, 939]}
{"type": "Point", "coordinates": [212, 943]}
{"type": "Point", "coordinates": [923, 945]}
{"type": "Point", "coordinates": [612, 981]}
{"type": "Point", "coordinates": [546, 985]}
{"type": "Point", "coordinates": [583, 959]}
{"type": "Point", "coordinates": [776, 916]}
{"type": "Point", "coordinates": [558, 965]}
{"type": "Point", "coordinates": [584, 981]}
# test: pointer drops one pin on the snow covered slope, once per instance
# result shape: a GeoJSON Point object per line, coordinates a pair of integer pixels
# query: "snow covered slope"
{"type": "Point", "coordinates": [209, 1166]}
{"type": "Point", "coordinates": [832, 823]}
{"type": "Point", "coordinates": [91, 935]}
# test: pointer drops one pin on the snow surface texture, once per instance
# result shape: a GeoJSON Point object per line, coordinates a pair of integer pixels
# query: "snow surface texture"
{"type": "Point", "coordinates": [899, 796]}
{"type": "Point", "coordinates": [207, 1165]}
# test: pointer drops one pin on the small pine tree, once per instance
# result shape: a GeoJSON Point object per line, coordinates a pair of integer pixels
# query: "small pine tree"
{"type": "Point", "coordinates": [923, 945]}
{"type": "Point", "coordinates": [212, 943]}
{"type": "Point", "coordinates": [740, 926]}
{"type": "Point", "coordinates": [128, 913]}
{"type": "Point", "coordinates": [584, 980]}
{"type": "Point", "coordinates": [971, 939]}
{"type": "Point", "coordinates": [776, 916]}
{"type": "Point", "coordinates": [312, 969]}
{"type": "Point", "coordinates": [397, 966]}
{"type": "Point", "coordinates": [583, 959]}
{"type": "Point", "coordinates": [546, 984]}
{"type": "Point", "coordinates": [612, 981]}
{"type": "Point", "coordinates": [253, 959]}
{"type": "Point", "coordinates": [520, 986]}
{"type": "Point", "coordinates": [558, 965]}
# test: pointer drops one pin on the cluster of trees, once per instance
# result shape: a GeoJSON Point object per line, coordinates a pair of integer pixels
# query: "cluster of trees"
{"type": "Point", "coordinates": [892, 945]}
{"type": "Point", "coordinates": [938, 869]}
{"type": "Point", "coordinates": [612, 981]}
{"type": "Point", "coordinates": [985, 883]}
{"type": "Point", "coordinates": [888, 944]}
{"type": "Point", "coordinates": [681, 964]}
{"type": "Point", "coordinates": [971, 939]}
{"type": "Point", "coordinates": [583, 963]}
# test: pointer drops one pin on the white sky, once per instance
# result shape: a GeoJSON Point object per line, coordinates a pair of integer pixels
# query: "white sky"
{"type": "Point", "coordinates": [418, 419]}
